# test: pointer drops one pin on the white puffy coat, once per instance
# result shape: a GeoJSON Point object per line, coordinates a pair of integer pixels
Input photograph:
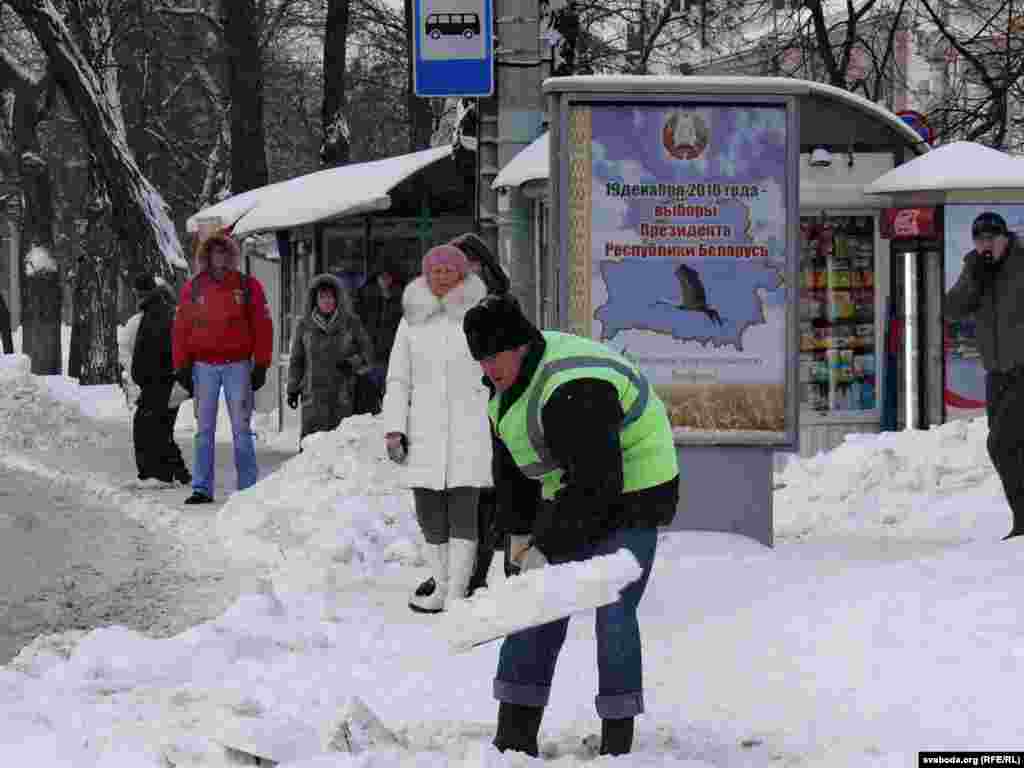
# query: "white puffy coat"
{"type": "Point", "coordinates": [435, 394]}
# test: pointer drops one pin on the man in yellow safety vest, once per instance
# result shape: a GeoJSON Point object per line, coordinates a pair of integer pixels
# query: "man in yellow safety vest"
{"type": "Point", "coordinates": [584, 465]}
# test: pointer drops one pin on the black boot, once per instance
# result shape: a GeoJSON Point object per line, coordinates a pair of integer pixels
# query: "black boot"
{"type": "Point", "coordinates": [1015, 531]}
{"type": "Point", "coordinates": [617, 736]}
{"type": "Point", "coordinates": [518, 727]}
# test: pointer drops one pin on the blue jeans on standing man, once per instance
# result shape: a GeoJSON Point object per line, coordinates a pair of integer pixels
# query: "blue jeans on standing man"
{"type": "Point", "coordinates": [207, 380]}
{"type": "Point", "coordinates": [526, 664]}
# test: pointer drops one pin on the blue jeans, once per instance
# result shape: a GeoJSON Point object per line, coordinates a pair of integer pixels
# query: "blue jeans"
{"type": "Point", "coordinates": [235, 378]}
{"type": "Point", "coordinates": [526, 663]}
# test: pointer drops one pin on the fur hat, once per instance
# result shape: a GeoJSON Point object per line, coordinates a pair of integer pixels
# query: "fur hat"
{"type": "Point", "coordinates": [222, 239]}
{"type": "Point", "coordinates": [497, 324]}
{"type": "Point", "coordinates": [446, 254]}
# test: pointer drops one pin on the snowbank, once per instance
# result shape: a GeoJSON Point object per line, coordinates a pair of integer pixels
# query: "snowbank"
{"type": "Point", "coordinates": [43, 412]}
{"type": "Point", "coordinates": [340, 504]}
{"type": "Point", "coordinates": [894, 483]}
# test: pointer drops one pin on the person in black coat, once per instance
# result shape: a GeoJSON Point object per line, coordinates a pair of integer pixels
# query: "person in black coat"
{"type": "Point", "coordinates": [5, 328]}
{"type": "Point", "coordinates": [378, 303]}
{"type": "Point", "coordinates": [482, 261]}
{"type": "Point", "coordinates": [156, 453]}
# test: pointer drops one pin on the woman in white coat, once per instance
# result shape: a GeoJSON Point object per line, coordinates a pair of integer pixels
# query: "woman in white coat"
{"type": "Point", "coordinates": [435, 413]}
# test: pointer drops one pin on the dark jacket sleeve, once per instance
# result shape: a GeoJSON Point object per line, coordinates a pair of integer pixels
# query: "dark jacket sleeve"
{"type": "Point", "coordinates": [151, 357]}
{"type": "Point", "coordinates": [582, 421]}
{"type": "Point", "coordinates": [297, 360]}
{"type": "Point", "coordinates": [964, 297]}
{"type": "Point", "coordinates": [518, 496]}
{"type": "Point", "coordinates": [141, 364]}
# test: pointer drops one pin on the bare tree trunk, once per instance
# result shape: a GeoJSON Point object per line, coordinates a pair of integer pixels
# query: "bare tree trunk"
{"type": "Point", "coordinates": [96, 290]}
{"type": "Point", "coordinates": [336, 149]}
{"type": "Point", "coordinates": [421, 117]}
{"type": "Point", "coordinates": [245, 86]}
{"type": "Point", "coordinates": [40, 277]}
{"type": "Point", "coordinates": [41, 296]}
{"type": "Point", "coordinates": [139, 215]}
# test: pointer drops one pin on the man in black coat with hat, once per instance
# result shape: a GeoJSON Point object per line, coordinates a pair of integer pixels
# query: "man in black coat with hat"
{"type": "Point", "coordinates": [989, 289]}
{"type": "Point", "coordinates": [156, 453]}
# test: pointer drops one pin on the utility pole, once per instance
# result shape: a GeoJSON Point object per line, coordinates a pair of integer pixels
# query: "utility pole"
{"type": "Point", "coordinates": [509, 121]}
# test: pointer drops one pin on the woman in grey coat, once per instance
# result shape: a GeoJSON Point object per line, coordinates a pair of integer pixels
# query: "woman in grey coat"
{"type": "Point", "coordinates": [330, 348]}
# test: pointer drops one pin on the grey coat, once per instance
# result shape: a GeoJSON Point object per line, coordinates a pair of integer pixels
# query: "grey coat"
{"type": "Point", "coordinates": [993, 297]}
{"type": "Point", "coordinates": [324, 364]}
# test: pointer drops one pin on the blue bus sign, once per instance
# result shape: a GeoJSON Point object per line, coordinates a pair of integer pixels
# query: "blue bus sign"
{"type": "Point", "coordinates": [453, 43]}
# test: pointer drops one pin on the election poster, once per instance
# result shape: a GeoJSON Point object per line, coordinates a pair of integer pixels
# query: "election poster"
{"type": "Point", "coordinates": [677, 238]}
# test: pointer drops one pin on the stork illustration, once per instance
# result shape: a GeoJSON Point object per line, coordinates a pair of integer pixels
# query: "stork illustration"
{"type": "Point", "coordinates": [694, 296]}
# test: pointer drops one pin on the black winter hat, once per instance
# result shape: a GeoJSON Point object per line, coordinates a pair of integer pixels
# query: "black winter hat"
{"type": "Point", "coordinates": [497, 324]}
{"type": "Point", "coordinates": [145, 283]}
{"type": "Point", "coordinates": [989, 223]}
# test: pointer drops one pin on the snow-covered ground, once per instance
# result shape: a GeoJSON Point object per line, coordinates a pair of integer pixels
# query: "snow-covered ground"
{"type": "Point", "coordinates": [884, 622]}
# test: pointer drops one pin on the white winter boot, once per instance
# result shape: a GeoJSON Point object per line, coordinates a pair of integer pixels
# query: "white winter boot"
{"type": "Point", "coordinates": [461, 562]}
{"type": "Point", "coordinates": [425, 600]}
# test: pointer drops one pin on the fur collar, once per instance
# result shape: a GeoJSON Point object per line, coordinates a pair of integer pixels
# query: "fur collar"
{"type": "Point", "coordinates": [419, 304]}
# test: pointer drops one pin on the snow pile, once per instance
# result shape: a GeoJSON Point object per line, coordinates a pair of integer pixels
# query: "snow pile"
{"type": "Point", "coordinates": [893, 482]}
{"type": "Point", "coordinates": [537, 597]}
{"type": "Point", "coordinates": [45, 412]}
{"type": "Point", "coordinates": [341, 503]}
{"type": "Point", "coordinates": [251, 679]}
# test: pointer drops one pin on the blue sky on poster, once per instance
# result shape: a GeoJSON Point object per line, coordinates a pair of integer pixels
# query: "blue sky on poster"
{"type": "Point", "coordinates": [747, 145]}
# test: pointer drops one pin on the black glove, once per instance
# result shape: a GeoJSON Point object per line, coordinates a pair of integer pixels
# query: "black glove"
{"type": "Point", "coordinates": [259, 377]}
{"type": "Point", "coordinates": [184, 377]}
{"type": "Point", "coordinates": [980, 263]}
{"type": "Point", "coordinates": [293, 400]}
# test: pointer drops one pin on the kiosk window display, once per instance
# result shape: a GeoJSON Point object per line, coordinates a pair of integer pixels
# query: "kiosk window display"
{"type": "Point", "coordinates": [837, 314]}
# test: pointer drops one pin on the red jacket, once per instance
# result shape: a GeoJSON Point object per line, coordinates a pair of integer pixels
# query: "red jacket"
{"type": "Point", "coordinates": [218, 328]}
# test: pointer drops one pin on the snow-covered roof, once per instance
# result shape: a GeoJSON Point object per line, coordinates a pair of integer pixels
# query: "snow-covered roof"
{"type": "Point", "coordinates": [732, 84]}
{"type": "Point", "coordinates": [531, 164]}
{"type": "Point", "coordinates": [961, 165]}
{"type": "Point", "coordinates": [327, 194]}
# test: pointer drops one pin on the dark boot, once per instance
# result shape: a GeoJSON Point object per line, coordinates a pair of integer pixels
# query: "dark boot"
{"type": "Point", "coordinates": [617, 736]}
{"type": "Point", "coordinates": [518, 727]}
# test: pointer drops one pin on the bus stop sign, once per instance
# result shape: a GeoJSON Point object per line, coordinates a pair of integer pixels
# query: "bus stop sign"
{"type": "Point", "coordinates": [453, 43]}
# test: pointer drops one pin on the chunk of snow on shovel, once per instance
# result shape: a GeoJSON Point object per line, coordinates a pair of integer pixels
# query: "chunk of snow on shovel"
{"type": "Point", "coordinates": [538, 597]}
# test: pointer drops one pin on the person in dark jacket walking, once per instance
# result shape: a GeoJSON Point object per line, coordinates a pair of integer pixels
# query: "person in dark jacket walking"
{"type": "Point", "coordinates": [989, 289]}
{"type": "Point", "coordinates": [329, 349]}
{"type": "Point", "coordinates": [600, 474]}
{"type": "Point", "coordinates": [483, 263]}
{"type": "Point", "coordinates": [156, 453]}
{"type": "Point", "coordinates": [378, 303]}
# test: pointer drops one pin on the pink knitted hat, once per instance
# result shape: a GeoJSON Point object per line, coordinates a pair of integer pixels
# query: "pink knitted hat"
{"type": "Point", "coordinates": [446, 254]}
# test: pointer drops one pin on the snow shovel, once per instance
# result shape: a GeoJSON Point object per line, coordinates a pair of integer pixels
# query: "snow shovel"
{"type": "Point", "coordinates": [537, 597]}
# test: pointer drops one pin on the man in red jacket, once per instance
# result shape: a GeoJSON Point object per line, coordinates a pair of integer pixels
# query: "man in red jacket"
{"type": "Point", "coordinates": [223, 337]}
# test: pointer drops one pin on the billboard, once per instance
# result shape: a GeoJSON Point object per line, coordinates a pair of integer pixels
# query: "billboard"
{"type": "Point", "coordinates": [678, 234]}
{"type": "Point", "coordinates": [965, 377]}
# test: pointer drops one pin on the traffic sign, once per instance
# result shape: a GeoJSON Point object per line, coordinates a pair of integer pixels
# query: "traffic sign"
{"type": "Point", "coordinates": [454, 47]}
